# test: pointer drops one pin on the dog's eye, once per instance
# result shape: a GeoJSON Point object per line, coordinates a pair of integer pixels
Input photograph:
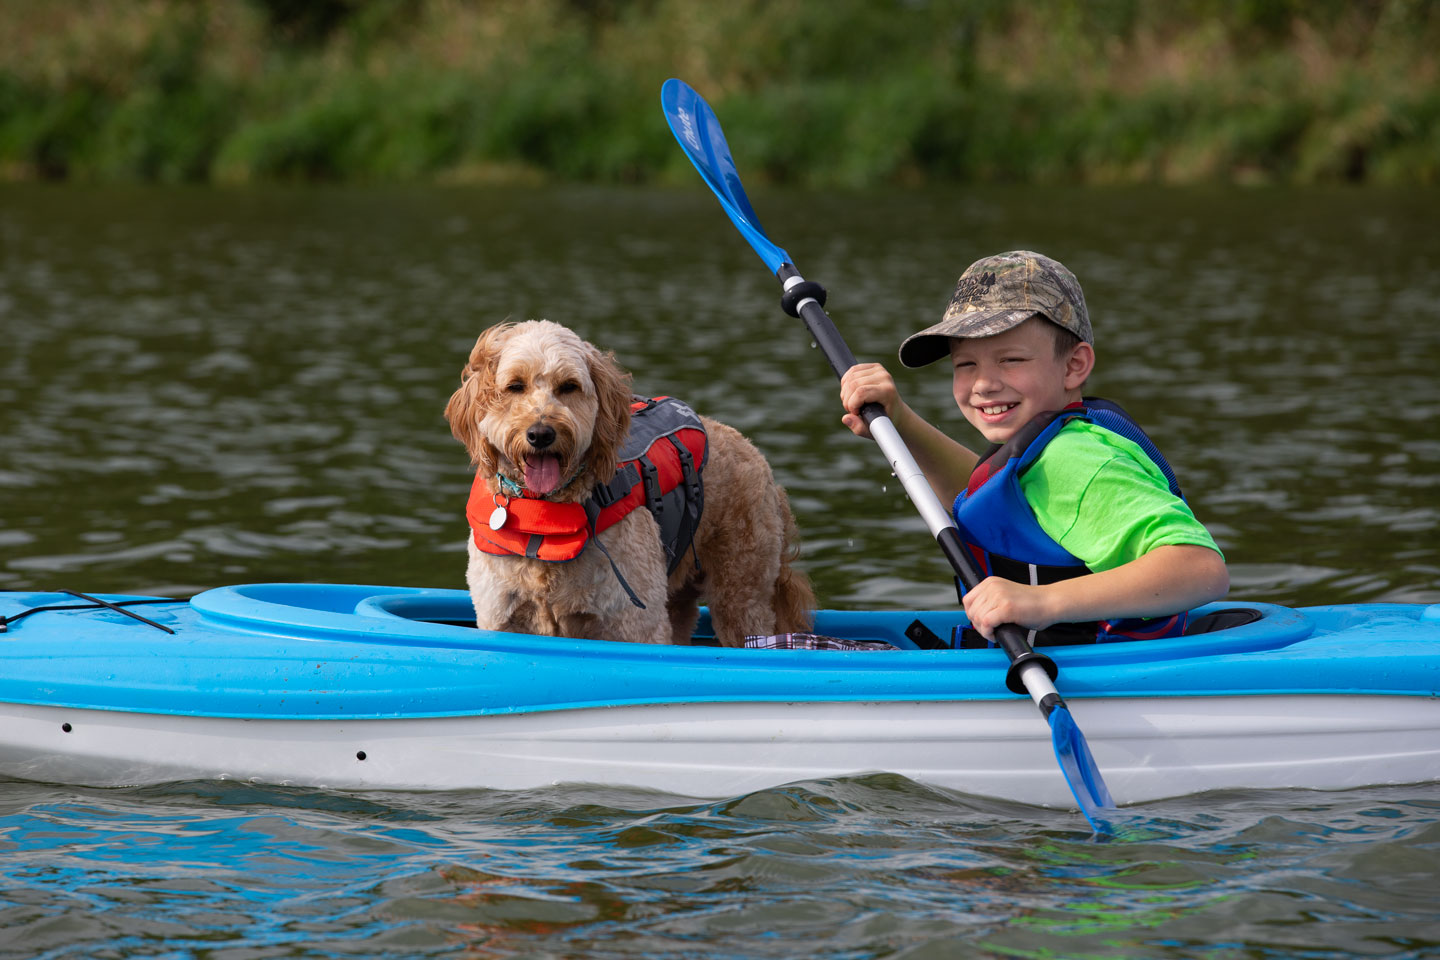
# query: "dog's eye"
{"type": "Point", "coordinates": [515, 386]}
{"type": "Point", "coordinates": [569, 386]}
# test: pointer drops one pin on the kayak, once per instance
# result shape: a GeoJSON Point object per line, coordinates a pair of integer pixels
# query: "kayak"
{"type": "Point", "coordinates": [372, 687]}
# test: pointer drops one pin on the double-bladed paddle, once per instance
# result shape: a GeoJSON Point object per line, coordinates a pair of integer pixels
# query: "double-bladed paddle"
{"type": "Point", "coordinates": [698, 131]}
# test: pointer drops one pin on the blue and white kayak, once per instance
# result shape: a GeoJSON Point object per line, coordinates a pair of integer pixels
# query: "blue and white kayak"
{"type": "Point", "coordinates": [368, 687]}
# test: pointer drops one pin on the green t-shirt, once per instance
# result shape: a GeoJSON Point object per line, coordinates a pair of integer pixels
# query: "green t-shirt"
{"type": "Point", "coordinates": [1100, 497]}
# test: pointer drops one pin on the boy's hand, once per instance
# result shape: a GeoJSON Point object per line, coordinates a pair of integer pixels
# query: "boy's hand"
{"type": "Point", "coordinates": [1178, 576]}
{"type": "Point", "coordinates": [867, 383]}
{"type": "Point", "coordinates": [995, 601]}
{"type": "Point", "coordinates": [946, 464]}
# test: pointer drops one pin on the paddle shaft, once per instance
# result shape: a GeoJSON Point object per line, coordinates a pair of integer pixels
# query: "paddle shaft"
{"type": "Point", "coordinates": [1029, 672]}
{"type": "Point", "coordinates": [699, 134]}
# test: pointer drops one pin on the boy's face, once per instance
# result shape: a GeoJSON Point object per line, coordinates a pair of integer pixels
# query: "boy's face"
{"type": "Point", "coordinates": [1001, 382]}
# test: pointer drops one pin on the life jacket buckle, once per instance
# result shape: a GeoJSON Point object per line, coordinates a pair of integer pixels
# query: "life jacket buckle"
{"type": "Point", "coordinates": [605, 494]}
{"type": "Point", "coordinates": [654, 498]}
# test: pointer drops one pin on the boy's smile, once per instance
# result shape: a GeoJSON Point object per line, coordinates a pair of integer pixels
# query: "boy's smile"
{"type": "Point", "coordinates": [1004, 381]}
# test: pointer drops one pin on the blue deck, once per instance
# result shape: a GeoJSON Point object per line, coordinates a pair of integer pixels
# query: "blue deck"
{"type": "Point", "coordinates": [347, 651]}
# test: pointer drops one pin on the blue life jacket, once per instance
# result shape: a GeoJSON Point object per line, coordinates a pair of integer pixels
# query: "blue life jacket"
{"type": "Point", "coordinates": [999, 528]}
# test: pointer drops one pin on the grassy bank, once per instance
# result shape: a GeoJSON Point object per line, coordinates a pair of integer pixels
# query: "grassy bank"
{"type": "Point", "coordinates": [848, 92]}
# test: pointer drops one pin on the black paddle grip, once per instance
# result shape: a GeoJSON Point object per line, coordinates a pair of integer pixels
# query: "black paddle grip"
{"type": "Point", "coordinates": [828, 339]}
{"type": "Point", "coordinates": [1010, 637]}
{"type": "Point", "coordinates": [805, 300]}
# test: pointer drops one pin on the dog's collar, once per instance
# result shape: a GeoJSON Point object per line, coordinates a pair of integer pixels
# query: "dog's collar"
{"type": "Point", "coordinates": [512, 489]}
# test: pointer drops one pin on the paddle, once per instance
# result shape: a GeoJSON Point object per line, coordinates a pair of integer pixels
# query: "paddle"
{"type": "Point", "coordinates": [698, 131]}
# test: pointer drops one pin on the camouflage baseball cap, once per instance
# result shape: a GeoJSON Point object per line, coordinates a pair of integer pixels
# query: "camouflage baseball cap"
{"type": "Point", "coordinates": [1000, 292]}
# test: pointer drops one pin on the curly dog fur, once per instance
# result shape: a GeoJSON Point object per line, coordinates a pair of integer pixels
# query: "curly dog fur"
{"type": "Point", "coordinates": [524, 381]}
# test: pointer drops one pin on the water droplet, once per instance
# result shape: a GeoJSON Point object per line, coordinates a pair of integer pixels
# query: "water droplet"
{"type": "Point", "coordinates": [883, 488]}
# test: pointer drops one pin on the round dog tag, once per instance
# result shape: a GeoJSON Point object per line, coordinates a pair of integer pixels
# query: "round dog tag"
{"type": "Point", "coordinates": [498, 518]}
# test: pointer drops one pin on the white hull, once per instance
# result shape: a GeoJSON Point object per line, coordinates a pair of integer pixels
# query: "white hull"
{"type": "Point", "coordinates": [1145, 748]}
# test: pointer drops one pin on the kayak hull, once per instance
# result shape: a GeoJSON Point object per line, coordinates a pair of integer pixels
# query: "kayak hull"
{"type": "Point", "coordinates": [354, 687]}
{"type": "Point", "coordinates": [1147, 749]}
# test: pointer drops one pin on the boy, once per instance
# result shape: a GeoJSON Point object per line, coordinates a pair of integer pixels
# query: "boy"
{"type": "Point", "coordinates": [1082, 528]}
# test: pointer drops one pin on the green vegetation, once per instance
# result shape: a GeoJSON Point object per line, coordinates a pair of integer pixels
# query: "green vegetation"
{"type": "Point", "coordinates": [847, 92]}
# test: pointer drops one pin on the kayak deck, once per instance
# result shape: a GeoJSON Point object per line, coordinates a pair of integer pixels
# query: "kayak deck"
{"type": "Point", "coordinates": [349, 651]}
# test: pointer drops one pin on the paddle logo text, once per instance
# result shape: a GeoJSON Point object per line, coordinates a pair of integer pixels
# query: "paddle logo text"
{"type": "Point", "coordinates": [691, 137]}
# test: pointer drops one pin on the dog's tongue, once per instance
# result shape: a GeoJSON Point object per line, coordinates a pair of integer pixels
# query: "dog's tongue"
{"type": "Point", "coordinates": [542, 473]}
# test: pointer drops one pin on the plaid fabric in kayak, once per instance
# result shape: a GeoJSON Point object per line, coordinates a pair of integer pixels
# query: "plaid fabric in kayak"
{"type": "Point", "coordinates": [813, 641]}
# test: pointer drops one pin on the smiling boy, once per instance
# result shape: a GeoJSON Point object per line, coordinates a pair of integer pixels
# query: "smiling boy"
{"type": "Point", "coordinates": [1081, 526]}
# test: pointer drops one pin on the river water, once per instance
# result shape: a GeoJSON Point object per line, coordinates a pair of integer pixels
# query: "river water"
{"type": "Point", "coordinates": [203, 386]}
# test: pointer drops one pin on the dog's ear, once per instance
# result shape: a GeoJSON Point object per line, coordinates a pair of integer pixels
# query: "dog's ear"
{"type": "Point", "coordinates": [467, 405]}
{"type": "Point", "coordinates": [612, 419]}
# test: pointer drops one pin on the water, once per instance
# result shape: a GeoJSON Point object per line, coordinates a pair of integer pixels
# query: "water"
{"type": "Point", "coordinates": [202, 387]}
{"type": "Point", "coordinates": [866, 867]}
{"type": "Point", "coordinates": [207, 387]}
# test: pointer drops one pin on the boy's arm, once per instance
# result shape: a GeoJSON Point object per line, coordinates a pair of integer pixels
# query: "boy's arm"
{"type": "Point", "coordinates": [1168, 578]}
{"type": "Point", "coordinates": [947, 464]}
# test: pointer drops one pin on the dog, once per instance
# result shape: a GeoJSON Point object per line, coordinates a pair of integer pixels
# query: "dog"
{"type": "Point", "coordinates": [545, 416]}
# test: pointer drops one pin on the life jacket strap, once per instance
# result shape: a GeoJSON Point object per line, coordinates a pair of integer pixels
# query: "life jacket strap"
{"type": "Point", "coordinates": [595, 539]}
{"type": "Point", "coordinates": [693, 500]}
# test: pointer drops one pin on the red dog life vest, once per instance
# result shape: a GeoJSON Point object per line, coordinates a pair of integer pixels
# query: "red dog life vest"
{"type": "Point", "coordinates": [660, 468]}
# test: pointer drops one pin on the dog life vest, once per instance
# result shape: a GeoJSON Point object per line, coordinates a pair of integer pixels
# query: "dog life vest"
{"type": "Point", "coordinates": [660, 466]}
{"type": "Point", "coordinates": [1001, 532]}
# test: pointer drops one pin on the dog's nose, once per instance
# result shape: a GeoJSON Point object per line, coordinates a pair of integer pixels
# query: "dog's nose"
{"type": "Point", "coordinates": [540, 436]}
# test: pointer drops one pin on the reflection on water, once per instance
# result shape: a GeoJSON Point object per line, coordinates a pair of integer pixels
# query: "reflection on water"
{"type": "Point", "coordinates": [856, 867]}
{"type": "Point", "coordinates": [203, 387]}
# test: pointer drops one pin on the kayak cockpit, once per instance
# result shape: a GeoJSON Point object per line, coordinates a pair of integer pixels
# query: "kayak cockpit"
{"type": "Point", "coordinates": [408, 614]}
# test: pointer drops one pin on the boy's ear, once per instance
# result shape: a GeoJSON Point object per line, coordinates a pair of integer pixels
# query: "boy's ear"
{"type": "Point", "coordinates": [1079, 365]}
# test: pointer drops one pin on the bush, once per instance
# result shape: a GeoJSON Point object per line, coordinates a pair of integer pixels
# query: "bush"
{"type": "Point", "coordinates": [844, 92]}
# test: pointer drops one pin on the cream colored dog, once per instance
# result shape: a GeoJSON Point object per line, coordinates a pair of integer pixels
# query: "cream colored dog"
{"type": "Point", "coordinates": [542, 409]}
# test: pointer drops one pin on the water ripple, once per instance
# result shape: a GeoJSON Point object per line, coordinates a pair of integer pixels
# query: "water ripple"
{"type": "Point", "coordinates": [866, 866]}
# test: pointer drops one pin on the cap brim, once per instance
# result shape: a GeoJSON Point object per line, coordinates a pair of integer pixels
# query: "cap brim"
{"type": "Point", "coordinates": [932, 343]}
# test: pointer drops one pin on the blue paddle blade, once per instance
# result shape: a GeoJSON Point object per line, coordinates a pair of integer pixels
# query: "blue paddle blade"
{"type": "Point", "coordinates": [699, 134]}
{"type": "Point", "coordinates": [1078, 765]}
